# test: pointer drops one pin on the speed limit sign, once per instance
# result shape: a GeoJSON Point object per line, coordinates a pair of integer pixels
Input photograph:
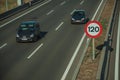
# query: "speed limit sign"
{"type": "Point", "coordinates": [93, 29]}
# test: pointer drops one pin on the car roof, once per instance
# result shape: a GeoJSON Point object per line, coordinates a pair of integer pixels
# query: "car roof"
{"type": "Point", "coordinates": [80, 10]}
{"type": "Point", "coordinates": [77, 10]}
{"type": "Point", "coordinates": [29, 22]}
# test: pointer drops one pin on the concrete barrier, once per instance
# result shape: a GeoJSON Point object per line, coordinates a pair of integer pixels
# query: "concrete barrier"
{"type": "Point", "coordinates": [18, 9]}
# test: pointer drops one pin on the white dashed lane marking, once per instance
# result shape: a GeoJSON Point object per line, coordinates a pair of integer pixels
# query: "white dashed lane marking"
{"type": "Point", "coordinates": [3, 45]}
{"type": "Point", "coordinates": [63, 3]}
{"type": "Point", "coordinates": [50, 12]}
{"type": "Point", "coordinates": [35, 51]}
{"type": "Point", "coordinates": [59, 26]}
{"type": "Point", "coordinates": [82, 2]}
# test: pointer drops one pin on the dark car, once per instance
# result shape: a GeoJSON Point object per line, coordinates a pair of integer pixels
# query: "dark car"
{"type": "Point", "coordinates": [28, 31]}
{"type": "Point", "coordinates": [78, 16]}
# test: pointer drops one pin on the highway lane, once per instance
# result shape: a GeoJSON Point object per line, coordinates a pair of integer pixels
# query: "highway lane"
{"type": "Point", "coordinates": [58, 45]}
{"type": "Point", "coordinates": [111, 66]}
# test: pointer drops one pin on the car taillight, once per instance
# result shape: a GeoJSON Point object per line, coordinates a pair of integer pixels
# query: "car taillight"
{"type": "Point", "coordinates": [83, 19]}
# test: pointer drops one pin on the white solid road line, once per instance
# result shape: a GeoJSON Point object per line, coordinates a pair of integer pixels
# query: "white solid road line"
{"type": "Point", "coordinates": [50, 12]}
{"type": "Point", "coordinates": [73, 57]}
{"type": "Point", "coordinates": [59, 26]}
{"type": "Point", "coordinates": [3, 45]}
{"type": "Point", "coordinates": [78, 47]}
{"type": "Point", "coordinates": [117, 53]}
{"type": "Point", "coordinates": [81, 2]}
{"type": "Point", "coordinates": [97, 10]}
{"type": "Point", "coordinates": [35, 51]}
{"type": "Point", "coordinates": [24, 14]}
{"type": "Point", "coordinates": [72, 12]}
{"type": "Point", "coordinates": [63, 3]}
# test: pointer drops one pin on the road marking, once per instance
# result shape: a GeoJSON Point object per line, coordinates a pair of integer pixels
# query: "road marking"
{"type": "Point", "coordinates": [72, 12]}
{"type": "Point", "coordinates": [117, 53]}
{"type": "Point", "coordinates": [97, 10]}
{"type": "Point", "coordinates": [88, 40]}
{"type": "Point", "coordinates": [82, 2]}
{"type": "Point", "coordinates": [24, 14]}
{"type": "Point", "coordinates": [35, 51]}
{"type": "Point", "coordinates": [3, 45]}
{"type": "Point", "coordinates": [63, 3]}
{"type": "Point", "coordinates": [77, 49]}
{"type": "Point", "coordinates": [50, 12]}
{"type": "Point", "coordinates": [73, 57]}
{"type": "Point", "coordinates": [59, 26]}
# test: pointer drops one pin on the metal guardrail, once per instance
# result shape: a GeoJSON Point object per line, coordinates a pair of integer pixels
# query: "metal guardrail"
{"type": "Point", "coordinates": [18, 9]}
{"type": "Point", "coordinates": [103, 64]}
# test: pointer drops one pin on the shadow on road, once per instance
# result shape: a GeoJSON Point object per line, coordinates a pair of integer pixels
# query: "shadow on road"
{"type": "Point", "coordinates": [100, 48]}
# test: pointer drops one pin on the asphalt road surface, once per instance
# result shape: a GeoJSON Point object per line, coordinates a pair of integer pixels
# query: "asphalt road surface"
{"type": "Point", "coordinates": [47, 58]}
{"type": "Point", "coordinates": [112, 61]}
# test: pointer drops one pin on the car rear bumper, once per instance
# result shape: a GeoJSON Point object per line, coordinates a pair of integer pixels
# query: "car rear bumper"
{"type": "Point", "coordinates": [79, 22]}
{"type": "Point", "coordinates": [24, 40]}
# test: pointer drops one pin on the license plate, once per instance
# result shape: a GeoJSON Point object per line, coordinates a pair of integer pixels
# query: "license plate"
{"type": "Point", "coordinates": [78, 21]}
{"type": "Point", "coordinates": [24, 38]}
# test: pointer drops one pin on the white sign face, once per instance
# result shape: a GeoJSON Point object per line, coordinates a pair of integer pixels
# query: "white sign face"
{"type": "Point", "coordinates": [93, 29]}
{"type": "Point", "coordinates": [19, 2]}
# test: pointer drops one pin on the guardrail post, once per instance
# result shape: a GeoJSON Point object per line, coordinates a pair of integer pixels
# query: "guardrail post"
{"type": "Point", "coordinates": [6, 4]}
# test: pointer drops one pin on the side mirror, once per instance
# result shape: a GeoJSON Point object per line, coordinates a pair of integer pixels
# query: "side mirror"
{"type": "Point", "coordinates": [87, 19]}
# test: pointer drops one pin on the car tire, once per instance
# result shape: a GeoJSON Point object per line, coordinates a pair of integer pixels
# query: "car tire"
{"type": "Point", "coordinates": [18, 41]}
{"type": "Point", "coordinates": [35, 39]}
{"type": "Point", "coordinates": [72, 22]}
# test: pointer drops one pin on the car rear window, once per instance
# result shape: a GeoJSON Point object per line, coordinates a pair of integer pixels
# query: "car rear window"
{"type": "Point", "coordinates": [31, 25]}
{"type": "Point", "coordinates": [23, 25]}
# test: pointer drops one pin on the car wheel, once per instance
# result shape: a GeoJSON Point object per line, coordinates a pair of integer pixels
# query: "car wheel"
{"type": "Point", "coordinates": [87, 19]}
{"type": "Point", "coordinates": [17, 40]}
{"type": "Point", "coordinates": [35, 39]}
{"type": "Point", "coordinates": [72, 22]}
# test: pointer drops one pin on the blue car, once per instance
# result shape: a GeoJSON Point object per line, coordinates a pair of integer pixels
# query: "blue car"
{"type": "Point", "coordinates": [28, 31]}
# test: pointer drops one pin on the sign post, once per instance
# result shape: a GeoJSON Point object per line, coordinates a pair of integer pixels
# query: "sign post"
{"type": "Point", "coordinates": [93, 29]}
{"type": "Point", "coordinates": [6, 4]}
{"type": "Point", "coordinates": [93, 41]}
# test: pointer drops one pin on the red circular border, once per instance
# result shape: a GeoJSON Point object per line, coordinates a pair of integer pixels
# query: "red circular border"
{"type": "Point", "coordinates": [91, 36]}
